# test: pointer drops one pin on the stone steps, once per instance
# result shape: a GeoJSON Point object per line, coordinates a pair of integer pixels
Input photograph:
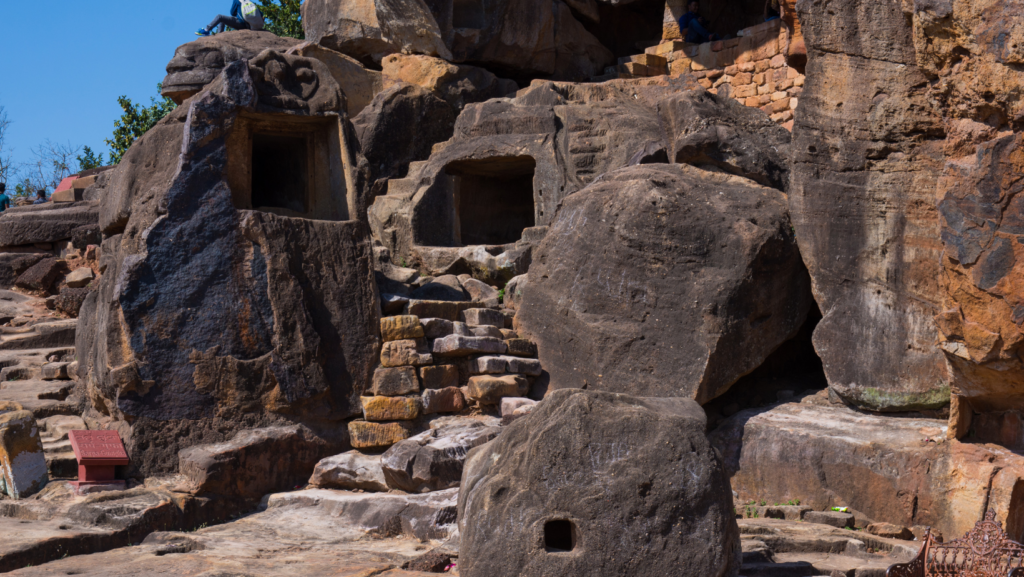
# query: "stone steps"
{"type": "Point", "coordinates": [41, 335]}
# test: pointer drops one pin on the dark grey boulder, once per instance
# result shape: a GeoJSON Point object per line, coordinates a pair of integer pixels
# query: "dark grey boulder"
{"type": "Point", "coordinates": [45, 223]}
{"type": "Point", "coordinates": [664, 280]}
{"type": "Point", "coordinates": [599, 484]}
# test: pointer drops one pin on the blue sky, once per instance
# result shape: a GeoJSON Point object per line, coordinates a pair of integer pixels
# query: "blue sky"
{"type": "Point", "coordinates": [64, 63]}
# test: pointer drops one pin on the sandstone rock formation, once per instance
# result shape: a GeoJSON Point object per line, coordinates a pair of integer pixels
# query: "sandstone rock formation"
{"type": "Point", "coordinates": [198, 63]}
{"type": "Point", "coordinates": [588, 480]}
{"type": "Point", "coordinates": [866, 159]}
{"type": "Point", "coordinates": [238, 289]}
{"type": "Point", "coordinates": [359, 84]}
{"type": "Point", "coordinates": [551, 42]}
{"type": "Point", "coordinates": [510, 163]}
{"type": "Point", "coordinates": [664, 280]}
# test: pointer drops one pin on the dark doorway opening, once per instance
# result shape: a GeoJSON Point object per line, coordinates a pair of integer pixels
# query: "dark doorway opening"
{"type": "Point", "coordinates": [493, 199]}
{"type": "Point", "coordinates": [559, 536]}
{"type": "Point", "coordinates": [626, 29]}
{"type": "Point", "coordinates": [280, 172]}
{"type": "Point", "coordinates": [792, 371]}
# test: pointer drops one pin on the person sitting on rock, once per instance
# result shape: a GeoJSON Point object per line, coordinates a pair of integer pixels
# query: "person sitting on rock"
{"type": "Point", "coordinates": [5, 201]}
{"type": "Point", "coordinates": [244, 16]}
{"type": "Point", "coordinates": [693, 25]}
{"type": "Point", "coordinates": [40, 196]}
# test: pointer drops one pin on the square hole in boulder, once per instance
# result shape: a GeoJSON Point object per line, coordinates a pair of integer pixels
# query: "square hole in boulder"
{"type": "Point", "coordinates": [559, 536]}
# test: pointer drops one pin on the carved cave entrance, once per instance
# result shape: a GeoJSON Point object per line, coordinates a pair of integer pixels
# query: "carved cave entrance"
{"type": "Point", "coordinates": [493, 199]}
{"type": "Point", "coordinates": [288, 166]}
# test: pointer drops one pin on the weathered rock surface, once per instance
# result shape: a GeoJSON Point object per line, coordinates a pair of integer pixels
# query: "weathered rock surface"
{"type": "Point", "coordinates": [254, 463]}
{"type": "Point", "coordinates": [306, 533]}
{"type": "Point", "coordinates": [458, 85]}
{"type": "Point", "coordinates": [392, 382]}
{"type": "Point", "coordinates": [359, 84]}
{"type": "Point", "coordinates": [211, 315]}
{"type": "Point", "coordinates": [604, 476]}
{"type": "Point", "coordinates": [198, 63]}
{"type": "Point", "coordinates": [867, 156]}
{"type": "Point", "coordinates": [351, 470]}
{"type": "Point", "coordinates": [433, 460]}
{"type": "Point", "coordinates": [22, 464]}
{"type": "Point", "coordinates": [493, 34]}
{"type": "Point", "coordinates": [41, 276]}
{"type": "Point", "coordinates": [367, 435]}
{"type": "Point", "coordinates": [45, 223]}
{"type": "Point", "coordinates": [545, 144]}
{"type": "Point", "coordinates": [891, 470]}
{"type": "Point", "coordinates": [664, 280]}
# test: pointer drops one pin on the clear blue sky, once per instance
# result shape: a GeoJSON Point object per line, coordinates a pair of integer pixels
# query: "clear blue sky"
{"type": "Point", "coordinates": [64, 63]}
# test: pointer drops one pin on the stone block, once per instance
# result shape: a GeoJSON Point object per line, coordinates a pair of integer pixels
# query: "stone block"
{"type": "Point", "coordinates": [752, 102]}
{"type": "Point", "coordinates": [762, 66]}
{"type": "Point", "coordinates": [732, 42]}
{"type": "Point", "coordinates": [80, 277]}
{"type": "Point", "coordinates": [784, 84]}
{"type": "Point", "coordinates": [350, 470]}
{"type": "Point", "coordinates": [741, 78]}
{"type": "Point", "coordinates": [793, 103]}
{"type": "Point", "coordinates": [714, 74]}
{"type": "Point", "coordinates": [758, 78]}
{"type": "Point", "coordinates": [650, 60]}
{"type": "Point", "coordinates": [833, 518]}
{"type": "Point", "coordinates": [732, 70]}
{"type": "Point", "coordinates": [521, 366]}
{"type": "Point", "coordinates": [437, 328]}
{"type": "Point", "coordinates": [798, 81]}
{"type": "Point", "coordinates": [366, 435]}
{"type": "Point", "coordinates": [777, 106]}
{"type": "Point", "coordinates": [666, 48]}
{"type": "Point", "coordinates": [40, 276]}
{"type": "Point", "coordinates": [507, 334]}
{"type": "Point", "coordinates": [489, 390]}
{"type": "Point", "coordinates": [433, 460]}
{"type": "Point", "coordinates": [439, 376]}
{"type": "Point", "coordinates": [745, 91]}
{"type": "Point", "coordinates": [746, 67]}
{"type": "Point", "coordinates": [390, 408]}
{"type": "Point", "coordinates": [395, 381]}
{"type": "Point", "coordinates": [521, 348]}
{"type": "Point", "coordinates": [460, 346]}
{"type": "Point", "coordinates": [679, 66]}
{"type": "Point", "coordinates": [697, 66]}
{"type": "Point", "coordinates": [634, 68]}
{"type": "Point", "coordinates": [447, 400]}
{"type": "Point", "coordinates": [482, 331]}
{"type": "Point", "coordinates": [787, 512]}
{"type": "Point", "coordinates": [54, 372]}
{"type": "Point", "coordinates": [778, 61]}
{"type": "Point", "coordinates": [481, 292]}
{"type": "Point", "coordinates": [488, 365]}
{"type": "Point", "coordinates": [400, 328]}
{"type": "Point", "coordinates": [406, 352]}
{"type": "Point", "coordinates": [392, 303]}
{"type": "Point", "coordinates": [22, 463]}
{"type": "Point", "coordinates": [779, 96]}
{"type": "Point", "coordinates": [778, 75]}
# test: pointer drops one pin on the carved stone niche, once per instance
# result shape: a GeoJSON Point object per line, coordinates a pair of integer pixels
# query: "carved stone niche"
{"type": "Point", "coordinates": [288, 165]}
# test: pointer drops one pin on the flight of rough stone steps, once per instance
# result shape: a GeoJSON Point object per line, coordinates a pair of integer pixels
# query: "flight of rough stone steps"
{"type": "Point", "coordinates": [442, 357]}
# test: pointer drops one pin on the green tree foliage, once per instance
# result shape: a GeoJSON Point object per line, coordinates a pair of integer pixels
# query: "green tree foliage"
{"type": "Point", "coordinates": [283, 17]}
{"type": "Point", "coordinates": [135, 121]}
{"type": "Point", "coordinates": [89, 159]}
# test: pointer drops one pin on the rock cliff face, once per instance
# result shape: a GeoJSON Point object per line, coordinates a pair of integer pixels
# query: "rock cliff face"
{"type": "Point", "coordinates": [905, 201]}
{"type": "Point", "coordinates": [232, 299]}
{"type": "Point", "coordinates": [867, 153]}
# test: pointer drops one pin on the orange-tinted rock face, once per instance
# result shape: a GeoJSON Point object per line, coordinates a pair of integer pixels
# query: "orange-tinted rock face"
{"type": "Point", "coordinates": [972, 54]}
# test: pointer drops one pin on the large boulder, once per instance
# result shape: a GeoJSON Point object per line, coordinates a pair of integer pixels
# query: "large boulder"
{"type": "Point", "coordinates": [664, 280]}
{"type": "Point", "coordinates": [483, 198]}
{"type": "Point", "coordinates": [594, 483]}
{"type": "Point", "coordinates": [491, 33]}
{"type": "Point", "coordinates": [433, 460]}
{"type": "Point", "coordinates": [199, 62]}
{"type": "Point", "coordinates": [233, 297]}
{"type": "Point", "coordinates": [45, 223]}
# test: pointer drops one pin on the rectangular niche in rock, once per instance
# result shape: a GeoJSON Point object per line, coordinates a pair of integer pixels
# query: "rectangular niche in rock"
{"type": "Point", "coordinates": [493, 199]}
{"type": "Point", "coordinates": [291, 166]}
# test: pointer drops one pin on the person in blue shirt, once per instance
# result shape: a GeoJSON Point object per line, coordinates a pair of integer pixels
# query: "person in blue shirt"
{"type": "Point", "coordinates": [40, 196]}
{"type": "Point", "coordinates": [695, 25]}
{"type": "Point", "coordinates": [235, 21]}
{"type": "Point", "coordinates": [5, 201]}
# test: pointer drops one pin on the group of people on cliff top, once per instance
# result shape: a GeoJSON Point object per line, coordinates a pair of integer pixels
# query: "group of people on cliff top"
{"type": "Point", "coordinates": [694, 27]}
{"type": "Point", "coordinates": [244, 15]}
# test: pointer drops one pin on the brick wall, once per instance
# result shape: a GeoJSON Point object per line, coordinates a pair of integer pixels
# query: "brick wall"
{"type": "Point", "coordinates": [751, 68]}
